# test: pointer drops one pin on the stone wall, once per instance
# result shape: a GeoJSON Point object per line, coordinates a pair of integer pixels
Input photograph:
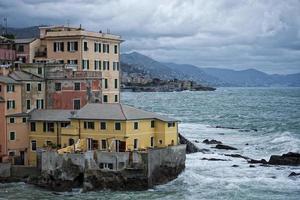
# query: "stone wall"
{"type": "Point", "coordinates": [111, 170]}
{"type": "Point", "coordinates": [5, 171]}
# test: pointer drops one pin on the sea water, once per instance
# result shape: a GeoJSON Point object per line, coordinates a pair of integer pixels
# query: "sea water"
{"type": "Point", "coordinates": [266, 122]}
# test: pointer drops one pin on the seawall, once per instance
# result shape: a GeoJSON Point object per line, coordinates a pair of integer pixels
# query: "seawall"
{"type": "Point", "coordinates": [110, 170]}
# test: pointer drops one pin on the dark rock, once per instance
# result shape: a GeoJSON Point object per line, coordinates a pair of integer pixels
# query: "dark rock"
{"type": "Point", "coordinates": [234, 166]}
{"type": "Point", "coordinates": [226, 147]}
{"type": "Point", "coordinates": [253, 161]}
{"type": "Point", "coordinates": [197, 141]}
{"type": "Point", "coordinates": [214, 159]}
{"type": "Point", "coordinates": [294, 174]}
{"type": "Point", "coordinates": [226, 127]}
{"type": "Point", "coordinates": [237, 156]}
{"type": "Point", "coordinates": [251, 166]}
{"type": "Point", "coordinates": [206, 141]}
{"type": "Point", "coordinates": [190, 147]}
{"type": "Point", "coordinates": [246, 144]}
{"type": "Point", "coordinates": [285, 159]}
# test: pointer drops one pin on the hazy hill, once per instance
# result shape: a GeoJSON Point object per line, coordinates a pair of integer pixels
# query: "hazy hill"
{"type": "Point", "coordinates": [209, 76]}
{"type": "Point", "coordinates": [27, 32]}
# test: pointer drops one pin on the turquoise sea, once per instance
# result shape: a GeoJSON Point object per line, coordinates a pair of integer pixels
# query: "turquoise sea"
{"type": "Point", "coordinates": [267, 122]}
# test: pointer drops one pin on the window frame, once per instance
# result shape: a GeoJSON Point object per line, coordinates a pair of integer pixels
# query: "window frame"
{"type": "Point", "coordinates": [101, 127]}
{"type": "Point", "coordinates": [14, 135]}
{"type": "Point", "coordinates": [119, 127]}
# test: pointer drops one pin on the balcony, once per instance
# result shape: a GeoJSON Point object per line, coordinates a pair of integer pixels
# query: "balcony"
{"type": "Point", "coordinates": [69, 131]}
{"type": "Point", "coordinates": [39, 54]}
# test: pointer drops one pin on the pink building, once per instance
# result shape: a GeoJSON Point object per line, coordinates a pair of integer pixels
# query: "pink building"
{"type": "Point", "coordinates": [7, 51]}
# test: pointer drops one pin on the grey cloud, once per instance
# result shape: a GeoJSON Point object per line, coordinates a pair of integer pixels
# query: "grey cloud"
{"type": "Point", "coordinates": [227, 33]}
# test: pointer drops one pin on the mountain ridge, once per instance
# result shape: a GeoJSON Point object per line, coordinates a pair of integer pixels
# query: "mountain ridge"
{"type": "Point", "coordinates": [207, 76]}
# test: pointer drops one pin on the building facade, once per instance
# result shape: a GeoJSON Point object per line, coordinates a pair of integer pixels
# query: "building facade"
{"type": "Point", "coordinates": [106, 127]}
{"type": "Point", "coordinates": [84, 51]}
{"type": "Point", "coordinates": [26, 49]}
{"type": "Point", "coordinates": [7, 51]}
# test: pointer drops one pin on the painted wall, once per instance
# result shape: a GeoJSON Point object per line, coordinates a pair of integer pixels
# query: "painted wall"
{"type": "Point", "coordinates": [20, 143]}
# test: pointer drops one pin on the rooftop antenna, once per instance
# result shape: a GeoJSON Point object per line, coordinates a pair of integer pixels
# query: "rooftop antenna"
{"type": "Point", "coordinates": [108, 31]}
{"type": "Point", "coordinates": [80, 26]}
{"type": "Point", "coordinates": [68, 23]}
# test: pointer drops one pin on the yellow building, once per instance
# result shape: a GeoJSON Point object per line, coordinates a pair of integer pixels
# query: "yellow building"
{"type": "Point", "coordinates": [107, 127]}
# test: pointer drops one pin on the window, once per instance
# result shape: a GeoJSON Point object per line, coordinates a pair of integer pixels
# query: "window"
{"type": "Point", "coordinates": [72, 46]}
{"type": "Point", "coordinates": [48, 127]}
{"type": "Point", "coordinates": [85, 64]}
{"type": "Point", "coordinates": [72, 62]}
{"type": "Point", "coordinates": [0, 88]}
{"type": "Point", "coordinates": [28, 104]}
{"type": "Point", "coordinates": [76, 104]}
{"type": "Point", "coordinates": [11, 104]}
{"type": "Point", "coordinates": [160, 141]}
{"type": "Point", "coordinates": [116, 98]}
{"type": "Point", "coordinates": [102, 125]}
{"type": "Point", "coordinates": [103, 144]}
{"type": "Point", "coordinates": [21, 48]}
{"type": "Point", "coordinates": [11, 120]}
{"type": "Point", "coordinates": [71, 141]}
{"type": "Point", "coordinates": [64, 124]}
{"type": "Point", "coordinates": [76, 86]}
{"type": "Point", "coordinates": [135, 143]}
{"type": "Point", "coordinates": [33, 145]}
{"type": "Point", "coordinates": [116, 83]}
{"type": "Point", "coordinates": [24, 119]}
{"type": "Point", "coordinates": [89, 125]}
{"type": "Point", "coordinates": [85, 46]}
{"type": "Point", "coordinates": [105, 48]}
{"type": "Point", "coordinates": [106, 166]}
{"type": "Point", "coordinates": [57, 86]}
{"type": "Point", "coordinates": [97, 47]}
{"type": "Point", "coordinates": [90, 144]}
{"type": "Point", "coordinates": [152, 141]}
{"type": "Point", "coordinates": [171, 124]}
{"type": "Point", "coordinates": [58, 46]}
{"type": "Point", "coordinates": [28, 87]}
{"type": "Point", "coordinates": [32, 127]}
{"type": "Point", "coordinates": [10, 88]}
{"type": "Point", "coordinates": [116, 49]}
{"type": "Point", "coordinates": [116, 66]}
{"type": "Point", "coordinates": [135, 125]}
{"type": "Point", "coordinates": [11, 153]}
{"type": "Point", "coordinates": [97, 65]}
{"type": "Point", "coordinates": [39, 87]}
{"type": "Point", "coordinates": [40, 70]}
{"type": "Point", "coordinates": [61, 61]}
{"type": "Point", "coordinates": [12, 135]}
{"type": "Point", "coordinates": [105, 98]}
{"type": "Point", "coordinates": [40, 104]}
{"type": "Point", "coordinates": [105, 65]}
{"type": "Point", "coordinates": [152, 124]}
{"type": "Point", "coordinates": [105, 83]}
{"type": "Point", "coordinates": [118, 126]}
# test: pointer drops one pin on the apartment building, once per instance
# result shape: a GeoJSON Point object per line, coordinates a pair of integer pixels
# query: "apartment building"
{"type": "Point", "coordinates": [106, 127]}
{"type": "Point", "coordinates": [7, 51]}
{"type": "Point", "coordinates": [84, 51]}
{"type": "Point", "coordinates": [10, 104]}
{"type": "Point", "coordinates": [26, 49]}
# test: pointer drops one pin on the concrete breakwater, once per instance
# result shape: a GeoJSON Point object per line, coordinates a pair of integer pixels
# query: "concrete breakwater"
{"type": "Point", "coordinates": [110, 170]}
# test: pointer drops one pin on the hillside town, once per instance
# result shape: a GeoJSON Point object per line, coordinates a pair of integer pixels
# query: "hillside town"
{"type": "Point", "coordinates": [61, 93]}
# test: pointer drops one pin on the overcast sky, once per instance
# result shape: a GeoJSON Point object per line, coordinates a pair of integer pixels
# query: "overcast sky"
{"type": "Point", "coordinates": [235, 34]}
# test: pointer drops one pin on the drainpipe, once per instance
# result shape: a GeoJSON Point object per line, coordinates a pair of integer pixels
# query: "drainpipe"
{"type": "Point", "coordinates": [57, 135]}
